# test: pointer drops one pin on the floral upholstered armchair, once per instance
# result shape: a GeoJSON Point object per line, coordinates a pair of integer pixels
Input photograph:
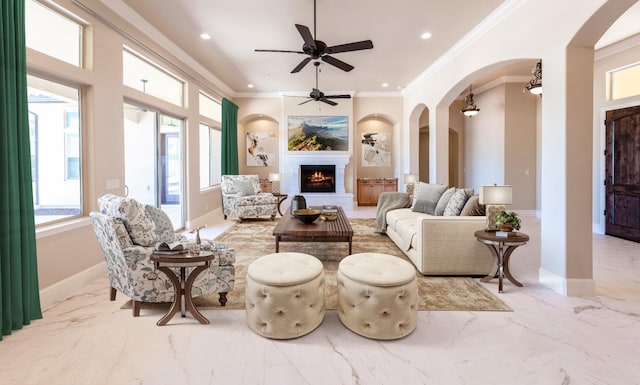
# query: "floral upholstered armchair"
{"type": "Point", "coordinates": [242, 198]}
{"type": "Point", "coordinates": [127, 233]}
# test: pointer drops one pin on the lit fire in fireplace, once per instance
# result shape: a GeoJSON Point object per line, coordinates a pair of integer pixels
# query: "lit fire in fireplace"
{"type": "Point", "coordinates": [318, 177]}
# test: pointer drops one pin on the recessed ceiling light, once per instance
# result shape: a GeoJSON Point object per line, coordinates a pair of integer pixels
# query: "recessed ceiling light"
{"type": "Point", "coordinates": [250, 85]}
{"type": "Point", "coordinates": [425, 35]}
{"type": "Point", "coordinates": [385, 84]}
{"type": "Point", "coordinates": [205, 36]}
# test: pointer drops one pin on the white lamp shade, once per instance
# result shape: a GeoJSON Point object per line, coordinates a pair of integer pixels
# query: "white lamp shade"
{"type": "Point", "coordinates": [495, 195]}
{"type": "Point", "coordinates": [410, 178]}
{"type": "Point", "coordinates": [274, 177]}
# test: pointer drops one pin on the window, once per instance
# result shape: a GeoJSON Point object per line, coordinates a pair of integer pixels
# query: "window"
{"type": "Point", "coordinates": [52, 34]}
{"type": "Point", "coordinates": [144, 76]}
{"type": "Point", "coordinates": [210, 144]}
{"type": "Point", "coordinates": [55, 136]}
{"type": "Point", "coordinates": [625, 82]}
{"type": "Point", "coordinates": [209, 107]}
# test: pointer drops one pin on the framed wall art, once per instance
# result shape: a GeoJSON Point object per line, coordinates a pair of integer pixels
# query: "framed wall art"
{"type": "Point", "coordinates": [318, 133]}
{"type": "Point", "coordinates": [261, 148]}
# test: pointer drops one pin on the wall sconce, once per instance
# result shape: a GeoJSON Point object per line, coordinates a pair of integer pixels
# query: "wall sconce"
{"type": "Point", "coordinates": [274, 178]}
{"type": "Point", "coordinates": [495, 197]}
{"type": "Point", "coordinates": [470, 109]}
{"type": "Point", "coordinates": [535, 85]}
{"type": "Point", "coordinates": [410, 180]}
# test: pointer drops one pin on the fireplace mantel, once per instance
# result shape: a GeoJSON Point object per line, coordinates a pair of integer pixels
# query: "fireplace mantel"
{"type": "Point", "coordinates": [292, 162]}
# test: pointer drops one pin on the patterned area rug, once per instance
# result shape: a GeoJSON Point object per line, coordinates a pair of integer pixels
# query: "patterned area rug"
{"type": "Point", "coordinates": [253, 238]}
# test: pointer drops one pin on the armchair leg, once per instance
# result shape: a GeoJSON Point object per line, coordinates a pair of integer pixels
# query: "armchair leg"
{"type": "Point", "coordinates": [112, 294]}
{"type": "Point", "coordinates": [239, 220]}
{"type": "Point", "coordinates": [225, 217]}
{"type": "Point", "coordinates": [273, 217]}
{"type": "Point", "coordinates": [136, 308]}
{"type": "Point", "coordinates": [223, 299]}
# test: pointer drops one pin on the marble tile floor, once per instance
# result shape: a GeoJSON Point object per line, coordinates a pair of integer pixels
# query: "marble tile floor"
{"type": "Point", "coordinates": [547, 339]}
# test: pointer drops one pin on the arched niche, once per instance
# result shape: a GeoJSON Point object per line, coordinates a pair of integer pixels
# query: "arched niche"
{"type": "Point", "coordinates": [258, 142]}
{"type": "Point", "coordinates": [375, 146]}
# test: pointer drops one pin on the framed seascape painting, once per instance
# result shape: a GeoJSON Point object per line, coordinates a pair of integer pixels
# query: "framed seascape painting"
{"type": "Point", "coordinates": [318, 133]}
{"type": "Point", "coordinates": [376, 149]}
{"type": "Point", "coordinates": [261, 148]}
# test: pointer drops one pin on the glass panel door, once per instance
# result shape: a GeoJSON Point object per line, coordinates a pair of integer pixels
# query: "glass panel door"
{"type": "Point", "coordinates": [153, 160]}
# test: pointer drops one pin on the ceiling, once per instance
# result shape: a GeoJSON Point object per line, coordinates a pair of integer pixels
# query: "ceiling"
{"type": "Point", "coordinates": [399, 55]}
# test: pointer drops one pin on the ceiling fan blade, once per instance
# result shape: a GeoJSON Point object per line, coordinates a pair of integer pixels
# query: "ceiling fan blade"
{"type": "Point", "coordinates": [338, 63]}
{"type": "Point", "coordinates": [306, 101]}
{"type": "Point", "coordinates": [277, 50]}
{"type": "Point", "coordinates": [330, 102]}
{"type": "Point", "coordinates": [301, 65]}
{"type": "Point", "coordinates": [346, 96]}
{"type": "Point", "coordinates": [356, 46]}
{"type": "Point", "coordinates": [306, 35]}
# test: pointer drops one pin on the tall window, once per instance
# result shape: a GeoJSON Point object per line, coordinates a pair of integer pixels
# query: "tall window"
{"type": "Point", "coordinates": [52, 34]}
{"type": "Point", "coordinates": [144, 76]}
{"type": "Point", "coordinates": [55, 134]}
{"type": "Point", "coordinates": [210, 140]}
{"type": "Point", "coordinates": [625, 82]}
{"type": "Point", "coordinates": [210, 143]}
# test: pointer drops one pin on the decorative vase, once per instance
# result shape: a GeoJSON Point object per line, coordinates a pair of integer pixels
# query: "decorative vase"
{"type": "Point", "coordinates": [507, 227]}
{"type": "Point", "coordinates": [298, 202]}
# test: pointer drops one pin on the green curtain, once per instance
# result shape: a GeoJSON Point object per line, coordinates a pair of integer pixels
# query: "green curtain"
{"type": "Point", "coordinates": [19, 294]}
{"type": "Point", "coordinates": [229, 163]}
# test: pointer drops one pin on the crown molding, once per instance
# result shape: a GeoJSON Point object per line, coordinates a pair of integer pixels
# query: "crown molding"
{"type": "Point", "coordinates": [137, 21]}
{"type": "Point", "coordinates": [504, 10]}
{"type": "Point", "coordinates": [617, 47]}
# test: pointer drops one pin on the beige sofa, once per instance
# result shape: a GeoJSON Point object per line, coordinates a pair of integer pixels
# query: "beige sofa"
{"type": "Point", "coordinates": [439, 245]}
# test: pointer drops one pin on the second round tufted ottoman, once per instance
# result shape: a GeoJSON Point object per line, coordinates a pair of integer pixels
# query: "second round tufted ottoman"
{"type": "Point", "coordinates": [377, 295]}
{"type": "Point", "coordinates": [284, 297]}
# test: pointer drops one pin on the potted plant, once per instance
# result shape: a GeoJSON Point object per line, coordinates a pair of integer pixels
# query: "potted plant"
{"type": "Point", "coordinates": [508, 221]}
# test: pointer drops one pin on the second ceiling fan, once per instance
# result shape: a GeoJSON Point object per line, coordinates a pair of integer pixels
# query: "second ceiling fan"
{"type": "Point", "coordinates": [319, 96]}
{"type": "Point", "coordinates": [317, 49]}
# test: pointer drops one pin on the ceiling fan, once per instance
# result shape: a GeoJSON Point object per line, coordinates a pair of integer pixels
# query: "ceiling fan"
{"type": "Point", "coordinates": [319, 96]}
{"type": "Point", "coordinates": [317, 49]}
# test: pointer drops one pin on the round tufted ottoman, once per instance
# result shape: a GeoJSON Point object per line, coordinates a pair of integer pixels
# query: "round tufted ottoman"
{"type": "Point", "coordinates": [377, 295]}
{"type": "Point", "coordinates": [284, 296]}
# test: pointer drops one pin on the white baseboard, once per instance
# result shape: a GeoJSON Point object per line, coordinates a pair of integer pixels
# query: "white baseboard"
{"type": "Point", "coordinates": [571, 287]}
{"type": "Point", "coordinates": [60, 290]}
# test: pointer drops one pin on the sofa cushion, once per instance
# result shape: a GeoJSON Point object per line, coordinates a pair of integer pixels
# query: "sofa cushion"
{"type": "Point", "coordinates": [473, 207]}
{"type": "Point", "coordinates": [426, 197]}
{"type": "Point", "coordinates": [444, 200]}
{"type": "Point", "coordinates": [456, 203]}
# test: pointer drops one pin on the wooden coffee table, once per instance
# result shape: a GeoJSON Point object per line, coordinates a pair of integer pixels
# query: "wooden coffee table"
{"type": "Point", "coordinates": [291, 229]}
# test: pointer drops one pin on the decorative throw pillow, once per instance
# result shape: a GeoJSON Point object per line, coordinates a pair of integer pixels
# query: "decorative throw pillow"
{"type": "Point", "coordinates": [426, 197]}
{"type": "Point", "coordinates": [121, 233]}
{"type": "Point", "coordinates": [164, 227]}
{"type": "Point", "coordinates": [473, 207]}
{"type": "Point", "coordinates": [444, 199]}
{"type": "Point", "coordinates": [244, 188]}
{"type": "Point", "coordinates": [456, 203]}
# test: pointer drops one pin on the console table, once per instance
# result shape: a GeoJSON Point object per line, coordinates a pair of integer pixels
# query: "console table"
{"type": "Point", "coordinates": [501, 248]}
{"type": "Point", "coordinates": [370, 188]}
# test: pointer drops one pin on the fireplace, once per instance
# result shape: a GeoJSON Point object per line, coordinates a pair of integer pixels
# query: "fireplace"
{"type": "Point", "coordinates": [317, 178]}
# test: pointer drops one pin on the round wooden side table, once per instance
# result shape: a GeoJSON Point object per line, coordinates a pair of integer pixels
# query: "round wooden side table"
{"type": "Point", "coordinates": [182, 284]}
{"type": "Point", "coordinates": [281, 198]}
{"type": "Point", "coordinates": [501, 248]}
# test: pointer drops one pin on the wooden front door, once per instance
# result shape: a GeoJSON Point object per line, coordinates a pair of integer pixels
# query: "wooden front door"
{"type": "Point", "coordinates": [622, 171]}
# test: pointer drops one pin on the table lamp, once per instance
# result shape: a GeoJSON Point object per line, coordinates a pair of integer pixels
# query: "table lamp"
{"type": "Point", "coordinates": [494, 197]}
{"type": "Point", "coordinates": [274, 178]}
{"type": "Point", "coordinates": [410, 180]}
